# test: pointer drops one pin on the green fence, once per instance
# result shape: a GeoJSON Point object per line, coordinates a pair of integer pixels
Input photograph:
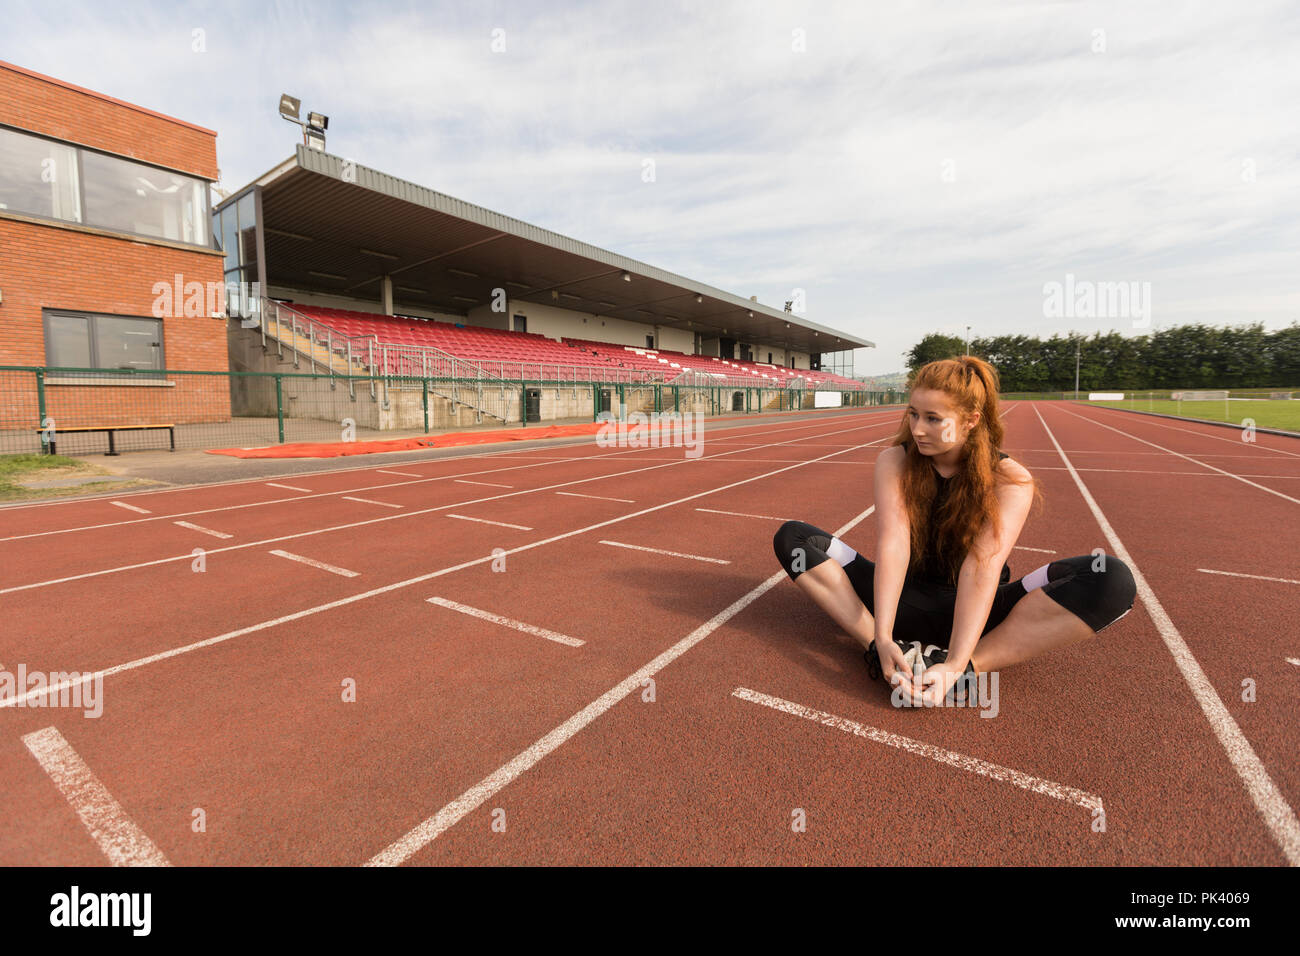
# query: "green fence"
{"type": "Point", "coordinates": [205, 410]}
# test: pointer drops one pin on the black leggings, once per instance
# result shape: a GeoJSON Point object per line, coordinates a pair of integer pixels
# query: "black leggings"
{"type": "Point", "coordinates": [1098, 589]}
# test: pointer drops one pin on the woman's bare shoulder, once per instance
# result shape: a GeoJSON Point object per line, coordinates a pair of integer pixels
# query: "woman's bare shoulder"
{"type": "Point", "coordinates": [891, 455]}
{"type": "Point", "coordinates": [1014, 470]}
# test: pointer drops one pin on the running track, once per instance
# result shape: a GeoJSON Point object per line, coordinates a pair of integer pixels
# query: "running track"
{"type": "Point", "coordinates": [224, 689]}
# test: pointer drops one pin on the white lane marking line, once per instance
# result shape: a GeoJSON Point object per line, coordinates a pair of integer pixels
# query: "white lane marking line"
{"type": "Point", "coordinates": [508, 622]}
{"type": "Point", "coordinates": [124, 843]}
{"type": "Point", "coordinates": [398, 585]}
{"type": "Point", "coordinates": [202, 530]}
{"type": "Point", "coordinates": [1168, 474]}
{"type": "Point", "coordinates": [1217, 435]}
{"type": "Point", "coordinates": [404, 474]}
{"type": "Point", "coordinates": [675, 554]}
{"type": "Point", "coordinates": [425, 833]}
{"type": "Point", "coordinates": [597, 458]}
{"type": "Point", "coordinates": [316, 564]}
{"type": "Point", "coordinates": [1293, 660]}
{"type": "Point", "coordinates": [741, 514]}
{"type": "Point", "coordinates": [677, 462]}
{"type": "Point", "coordinates": [123, 504]}
{"type": "Point", "coordinates": [367, 501]}
{"type": "Point", "coordinates": [1273, 808]}
{"type": "Point", "coordinates": [500, 524]}
{"type": "Point", "coordinates": [276, 484]}
{"type": "Point", "coordinates": [1048, 788]}
{"type": "Point", "coordinates": [1043, 550]}
{"type": "Point", "coordinates": [574, 494]}
{"type": "Point", "coordinates": [1194, 461]}
{"type": "Point", "coordinates": [523, 454]}
{"type": "Point", "coordinates": [490, 484]}
{"type": "Point", "coordinates": [1257, 577]}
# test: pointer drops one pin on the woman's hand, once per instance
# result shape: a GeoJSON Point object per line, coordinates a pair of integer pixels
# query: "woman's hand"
{"type": "Point", "coordinates": [934, 684]}
{"type": "Point", "coordinates": [893, 664]}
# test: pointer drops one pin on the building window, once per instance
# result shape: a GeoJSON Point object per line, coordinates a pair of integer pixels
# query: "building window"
{"type": "Point", "coordinates": [38, 177]}
{"type": "Point", "coordinates": [145, 200]}
{"type": "Point", "coordinates": [53, 180]}
{"type": "Point", "coordinates": [84, 340]}
{"type": "Point", "coordinates": [521, 323]}
{"type": "Point", "coordinates": [649, 341]}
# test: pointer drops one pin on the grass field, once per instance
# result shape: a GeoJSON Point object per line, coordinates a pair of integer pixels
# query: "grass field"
{"type": "Point", "coordinates": [1263, 412]}
{"type": "Point", "coordinates": [17, 470]}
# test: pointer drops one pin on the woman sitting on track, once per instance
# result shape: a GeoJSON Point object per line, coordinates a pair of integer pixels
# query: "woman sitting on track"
{"type": "Point", "coordinates": [949, 509]}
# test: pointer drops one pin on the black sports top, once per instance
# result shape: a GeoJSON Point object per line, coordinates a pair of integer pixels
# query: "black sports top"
{"type": "Point", "coordinates": [928, 569]}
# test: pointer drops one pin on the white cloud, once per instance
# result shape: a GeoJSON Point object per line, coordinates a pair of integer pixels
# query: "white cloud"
{"type": "Point", "coordinates": [779, 169]}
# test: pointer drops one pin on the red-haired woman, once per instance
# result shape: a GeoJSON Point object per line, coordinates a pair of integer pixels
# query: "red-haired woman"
{"type": "Point", "coordinates": [949, 508]}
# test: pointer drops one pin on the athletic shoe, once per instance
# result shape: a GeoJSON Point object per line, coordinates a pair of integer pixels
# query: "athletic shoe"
{"type": "Point", "coordinates": [913, 653]}
{"type": "Point", "coordinates": [965, 681]}
{"type": "Point", "coordinates": [920, 659]}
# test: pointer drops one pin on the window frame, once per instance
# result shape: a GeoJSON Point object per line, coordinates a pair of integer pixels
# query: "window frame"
{"type": "Point", "coordinates": [78, 149]}
{"type": "Point", "coordinates": [92, 323]}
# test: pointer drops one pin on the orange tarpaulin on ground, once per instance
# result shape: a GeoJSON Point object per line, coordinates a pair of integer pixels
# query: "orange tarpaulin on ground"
{"type": "Point", "coordinates": [447, 440]}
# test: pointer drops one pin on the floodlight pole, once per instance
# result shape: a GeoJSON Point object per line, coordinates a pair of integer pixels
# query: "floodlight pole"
{"type": "Point", "coordinates": [1076, 370]}
{"type": "Point", "coordinates": [967, 352]}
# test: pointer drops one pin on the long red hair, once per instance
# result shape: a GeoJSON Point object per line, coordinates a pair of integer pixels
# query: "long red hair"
{"type": "Point", "coordinates": [971, 385]}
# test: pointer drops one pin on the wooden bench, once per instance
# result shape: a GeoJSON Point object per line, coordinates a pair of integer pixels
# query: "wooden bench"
{"type": "Point", "coordinates": [112, 448]}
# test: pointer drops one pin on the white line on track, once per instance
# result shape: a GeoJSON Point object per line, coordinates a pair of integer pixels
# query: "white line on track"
{"type": "Point", "coordinates": [507, 622]}
{"type": "Point", "coordinates": [741, 514]}
{"type": "Point", "coordinates": [425, 833]}
{"type": "Point", "coordinates": [499, 524]}
{"type": "Point", "coordinates": [1043, 550]}
{"type": "Point", "coordinates": [1293, 660]}
{"type": "Point", "coordinates": [490, 484]}
{"type": "Point", "coordinates": [1257, 577]}
{"type": "Point", "coordinates": [574, 494]}
{"type": "Point", "coordinates": [1148, 471]}
{"type": "Point", "coordinates": [344, 572]}
{"type": "Point", "coordinates": [1276, 813]}
{"type": "Point", "coordinates": [522, 454]}
{"type": "Point", "coordinates": [139, 662]}
{"type": "Point", "coordinates": [1120, 431]}
{"type": "Point", "coordinates": [202, 530]}
{"type": "Point", "coordinates": [123, 504]}
{"type": "Point", "coordinates": [598, 457]}
{"type": "Point", "coordinates": [676, 463]}
{"type": "Point", "coordinates": [276, 484]}
{"type": "Point", "coordinates": [1048, 788]}
{"type": "Point", "coordinates": [367, 501]}
{"type": "Point", "coordinates": [674, 554]}
{"type": "Point", "coordinates": [124, 843]}
{"type": "Point", "coordinates": [1216, 434]}
{"type": "Point", "coordinates": [404, 474]}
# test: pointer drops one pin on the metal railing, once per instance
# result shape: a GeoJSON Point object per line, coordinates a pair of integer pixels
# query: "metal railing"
{"type": "Point", "coordinates": [405, 360]}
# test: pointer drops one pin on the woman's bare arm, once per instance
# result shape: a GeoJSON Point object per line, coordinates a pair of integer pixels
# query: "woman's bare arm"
{"type": "Point", "coordinates": [893, 540]}
{"type": "Point", "coordinates": [978, 580]}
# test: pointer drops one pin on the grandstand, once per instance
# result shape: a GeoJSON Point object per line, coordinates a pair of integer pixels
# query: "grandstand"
{"type": "Point", "coordinates": [362, 274]}
{"type": "Point", "coordinates": [519, 355]}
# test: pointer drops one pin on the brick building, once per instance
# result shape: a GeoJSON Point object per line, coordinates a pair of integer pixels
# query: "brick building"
{"type": "Point", "coordinates": [102, 203]}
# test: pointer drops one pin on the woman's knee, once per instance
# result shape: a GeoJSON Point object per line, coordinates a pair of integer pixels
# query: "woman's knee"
{"type": "Point", "coordinates": [793, 548]}
{"type": "Point", "coordinates": [1100, 590]}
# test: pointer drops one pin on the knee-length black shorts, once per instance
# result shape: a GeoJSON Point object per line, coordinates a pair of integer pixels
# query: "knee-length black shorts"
{"type": "Point", "coordinates": [1098, 589]}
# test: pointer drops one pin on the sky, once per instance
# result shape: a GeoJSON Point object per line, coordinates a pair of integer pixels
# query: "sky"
{"type": "Point", "coordinates": [912, 167]}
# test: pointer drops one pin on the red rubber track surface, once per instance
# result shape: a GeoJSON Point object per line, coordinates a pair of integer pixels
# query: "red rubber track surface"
{"type": "Point", "coordinates": [252, 729]}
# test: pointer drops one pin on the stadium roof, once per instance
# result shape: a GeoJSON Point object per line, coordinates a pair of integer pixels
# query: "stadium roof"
{"type": "Point", "coordinates": [337, 228]}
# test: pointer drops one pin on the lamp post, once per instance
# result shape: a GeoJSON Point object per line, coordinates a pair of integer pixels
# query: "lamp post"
{"type": "Point", "coordinates": [967, 352]}
{"type": "Point", "coordinates": [1076, 369]}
